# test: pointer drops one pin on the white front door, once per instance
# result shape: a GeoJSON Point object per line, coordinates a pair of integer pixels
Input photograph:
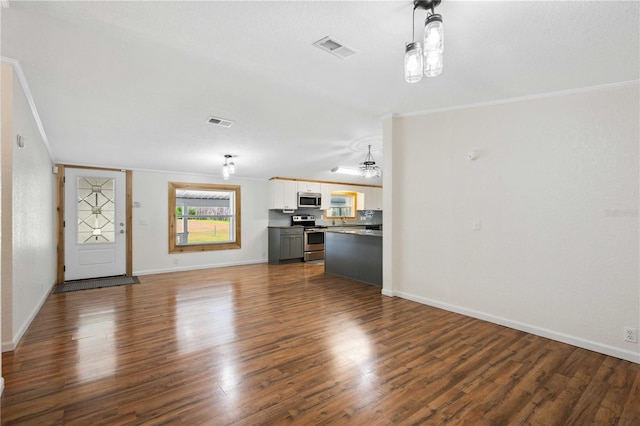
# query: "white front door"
{"type": "Point", "coordinates": [95, 240]}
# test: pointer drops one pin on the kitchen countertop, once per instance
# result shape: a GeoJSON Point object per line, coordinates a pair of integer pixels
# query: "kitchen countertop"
{"type": "Point", "coordinates": [366, 232]}
{"type": "Point", "coordinates": [347, 225]}
{"type": "Point", "coordinates": [328, 227]}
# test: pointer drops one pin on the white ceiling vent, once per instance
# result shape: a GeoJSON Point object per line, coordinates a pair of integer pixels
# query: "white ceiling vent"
{"type": "Point", "coordinates": [220, 121]}
{"type": "Point", "coordinates": [334, 47]}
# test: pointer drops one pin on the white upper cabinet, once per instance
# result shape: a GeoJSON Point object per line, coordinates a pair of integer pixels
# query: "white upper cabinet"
{"type": "Point", "coordinates": [361, 201]}
{"type": "Point", "coordinates": [373, 199]}
{"type": "Point", "coordinates": [325, 190]}
{"type": "Point", "coordinates": [309, 187]}
{"type": "Point", "coordinates": [283, 194]}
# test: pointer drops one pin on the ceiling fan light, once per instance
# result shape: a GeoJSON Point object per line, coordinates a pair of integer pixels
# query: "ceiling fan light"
{"type": "Point", "coordinates": [413, 62]}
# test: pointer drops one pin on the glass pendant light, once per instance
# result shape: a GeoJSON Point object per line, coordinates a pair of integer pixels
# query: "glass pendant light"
{"type": "Point", "coordinates": [228, 168]}
{"type": "Point", "coordinates": [433, 45]}
{"type": "Point", "coordinates": [431, 50]}
{"type": "Point", "coordinates": [413, 63]}
{"type": "Point", "coordinates": [413, 56]}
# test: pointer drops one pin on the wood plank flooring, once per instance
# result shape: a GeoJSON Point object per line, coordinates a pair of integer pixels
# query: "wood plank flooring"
{"type": "Point", "coordinates": [287, 344]}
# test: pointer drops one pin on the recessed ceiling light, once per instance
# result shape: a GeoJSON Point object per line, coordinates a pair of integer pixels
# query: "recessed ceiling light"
{"type": "Point", "coordinates": [336, 48]}
{"type": "Point", "coordinates": [222, 122]}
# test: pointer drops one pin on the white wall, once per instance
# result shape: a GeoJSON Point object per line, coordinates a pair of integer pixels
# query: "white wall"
{"type": "Point", "coordinates": [150, 241]}
{"type": "Point", "coordinates": [556, 188]}
{"type": "Point", "coordinates": [29, 266]}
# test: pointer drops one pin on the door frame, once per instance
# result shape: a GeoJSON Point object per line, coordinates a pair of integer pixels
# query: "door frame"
{"type": "Point", "coordinates": [60, 217]}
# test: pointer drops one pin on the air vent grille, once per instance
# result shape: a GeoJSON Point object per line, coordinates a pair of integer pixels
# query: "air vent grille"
{"type": "Point", "coordinates": [336, 48]}
{"type": "Point", "coordinates": [220, 121]}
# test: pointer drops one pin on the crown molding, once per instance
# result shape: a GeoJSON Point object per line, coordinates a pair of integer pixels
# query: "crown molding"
{"type": "Point", "coordinates": [522, 98]}
{"type": "Point", "coordinates": [17, 68]}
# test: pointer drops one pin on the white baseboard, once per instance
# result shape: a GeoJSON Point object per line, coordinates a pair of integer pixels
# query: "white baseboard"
{"type": "Point", "coordinates": [197, 267]}
{"type": "Point", "coordinates": [11, 345]}
{"type": "Point", "coordinates": [549, 334]}
{"type": "Point", "coordinates": [386, 292]}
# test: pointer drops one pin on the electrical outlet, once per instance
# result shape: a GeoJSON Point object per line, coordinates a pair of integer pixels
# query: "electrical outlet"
{"type": "Point", "coordinates": [630, 335]}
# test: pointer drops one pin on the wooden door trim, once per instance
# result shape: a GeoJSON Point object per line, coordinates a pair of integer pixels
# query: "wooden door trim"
{"type": "Point", "coordinates": [60, 221]}
{"type": "Point", "coordinates": [129, 222]}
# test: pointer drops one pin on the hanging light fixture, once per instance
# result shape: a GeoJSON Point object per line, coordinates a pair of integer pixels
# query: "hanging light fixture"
{"type": "Point", "coordinates": [427, 58]}
{"type": "Point", "coordinates": [228, 168]}
{"type": "Point", "coordinates": [413, 62]}
{"type": "Point", "coordinates": [368, 168]}
{"type": "Point", "coordinates": [413, 56]}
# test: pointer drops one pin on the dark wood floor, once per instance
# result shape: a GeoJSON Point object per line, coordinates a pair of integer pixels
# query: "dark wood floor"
{"type": "Point", "coordinates": [264, 344]}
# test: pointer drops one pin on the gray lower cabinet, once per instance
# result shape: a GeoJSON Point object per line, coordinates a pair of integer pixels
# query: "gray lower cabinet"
{"type": "Point", "coordinates": [285, 244]}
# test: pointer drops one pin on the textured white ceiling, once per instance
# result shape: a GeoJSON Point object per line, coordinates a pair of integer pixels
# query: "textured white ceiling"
{"type": "Point", "coordinates": [131, 84]}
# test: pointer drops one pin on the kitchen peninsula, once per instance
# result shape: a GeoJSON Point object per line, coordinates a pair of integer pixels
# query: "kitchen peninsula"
{"type": "Point", "coordinates": [354, 253]}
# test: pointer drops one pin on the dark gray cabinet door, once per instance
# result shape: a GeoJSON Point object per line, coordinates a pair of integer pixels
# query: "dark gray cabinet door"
{"type": "Point", "coordinates": [297, 246]}
{"type": "Point", "coordinates": [291, 247]}
{"type": "Point", "coordinates": [285, 244]}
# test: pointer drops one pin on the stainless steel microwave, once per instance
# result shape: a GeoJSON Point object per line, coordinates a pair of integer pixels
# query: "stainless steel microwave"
{"type": "Point", "coordinates": [309, 200]}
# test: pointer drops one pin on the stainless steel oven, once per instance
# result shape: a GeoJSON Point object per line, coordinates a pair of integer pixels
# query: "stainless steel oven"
{"type": "Point", "coordinates": [313, 244]}
{"type": "Point", "coordinates": [313, 237]}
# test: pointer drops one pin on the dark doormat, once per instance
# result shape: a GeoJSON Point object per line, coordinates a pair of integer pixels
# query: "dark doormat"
{"type": "Point", "coordinates": [95, 283]}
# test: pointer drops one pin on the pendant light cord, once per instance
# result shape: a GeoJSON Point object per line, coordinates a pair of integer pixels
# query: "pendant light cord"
{"type": "Point", "coordinates": [413, 25]}
{"type": "Point", "coordinates": [413, 19]}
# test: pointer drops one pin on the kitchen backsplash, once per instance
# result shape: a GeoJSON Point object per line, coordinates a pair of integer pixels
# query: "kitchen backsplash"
{"type": "Point", "coordinates": [363, 217]}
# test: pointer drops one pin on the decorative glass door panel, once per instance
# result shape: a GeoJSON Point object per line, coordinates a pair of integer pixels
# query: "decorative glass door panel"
{"type": "Point", "coordinates": [96, 210]}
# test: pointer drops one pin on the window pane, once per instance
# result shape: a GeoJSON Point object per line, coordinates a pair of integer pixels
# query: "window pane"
{"type": "Point", "coordinates": [198, 231]}
{"type": "Point", "coordinates": [343, 205]}
{"type": "Point", "coordinates": [204, 217]}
